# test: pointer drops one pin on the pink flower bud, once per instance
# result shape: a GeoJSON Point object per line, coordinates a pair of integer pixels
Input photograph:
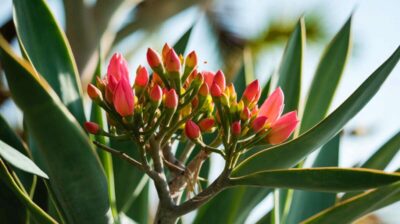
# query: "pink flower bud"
{"type": "Point", "coordinates": [153, 58]}
{"type": "Point", "coordinates": [206, 124]}
{"type": "Point", "coordinates": [142, 76]}
{"type": "Point", "coordinates": [118, 67]}
{"type": "Point", "coordinates": [203, 91]}
{"type": "Point", "coordinates": [124, 98]}
{"type": "Point", "coordinates": [273, 106]}
{"type": "Point", "coordinates": [220, 80]}
{"type": "Point", "coordinates": [236, 128]}
{"type": "Point", "coordinates": [282, 128]}
{"type": "Point", "coordinates": [165, 50]}
{"type": "Point", "coordinates": [216, 90]}
{"type": "Point", "coordinates": [208, 78]}
{"type": "Point", "coordinates": [156, 93]}
{"type": "Point", "coordinates": [252, 92]}
{"type": "Point", "coordinates": [92, 127]}
{"type": "Point", "coordinates": [171, 99]}
{"type": "Point", "coordinates": [259, 123]}
{"type": "Point", "coordinates": [191, 60]}
{"type": "Point", "coordinates": [94, 93]}
{"type": "Point", "coordinates": [172, 61]}
{"type": "Point", "coordinates": [192, 131]}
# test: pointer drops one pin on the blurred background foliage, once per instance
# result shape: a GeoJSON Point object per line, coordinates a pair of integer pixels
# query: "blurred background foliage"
{"type": "Point", "coordinates": [244, 38]}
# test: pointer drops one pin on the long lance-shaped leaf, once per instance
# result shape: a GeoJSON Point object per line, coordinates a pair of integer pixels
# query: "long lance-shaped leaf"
{"type": "Point", "coordinates": [380, 159]}
{"type": "Point", "coordinates": [290, 153]}
{"type": "Point", "coordinates": [19, 160]}
{"type": "Point", "coordinates": [38, 214]}
{"type": "Point", "coordinates": [76, 177]}
{"type": "Point", "coordinates": [354, 208]}
{"type": "Point", "coordinates": [327, 77]}
{"type": "Point", "coordinates": [291, 67]}
{"type": "Point", "coordinates": [327, 179]}
{"type": "Point", "coordinates": [48, 50]}
{"type": "Point", "coordinates": [307, 203]}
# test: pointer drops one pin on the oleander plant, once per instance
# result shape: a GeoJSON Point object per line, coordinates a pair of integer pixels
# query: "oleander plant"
{"type": "Point", "coordinates": [168, 124]}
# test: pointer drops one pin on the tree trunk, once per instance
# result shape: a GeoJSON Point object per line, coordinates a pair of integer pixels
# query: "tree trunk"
{"type": "Point", "coordinates": [165, 216]}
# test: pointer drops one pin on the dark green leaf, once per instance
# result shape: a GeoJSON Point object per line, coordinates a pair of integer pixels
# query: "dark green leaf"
{"type": "Point", "coordinates": [291, 67]}
{"type": "Point", "coordinates": [290, 153]}
{"type": "Point", "coordinates": [19, 160]}
{"type": "Point", "coordinates": [319, 179]}
{"type": "Point", "coordinates": [356, 207]}
{"type": "Point", "coordinates": [48, 50]}
{"type": "Point", "coordinates": [76, 177]}
{"type": "Point", "coordinates": [327, 77]}
{"type": "Point", "coordinates": [180, 46]}
{"type": "Point", "coordinates": [307, 203]}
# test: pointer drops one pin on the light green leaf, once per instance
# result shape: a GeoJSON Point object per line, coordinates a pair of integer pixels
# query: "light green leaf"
{"type": "Point", "coordinates": [326, 179]}
{"type": "Point", "coordinates": [291, 67]}
{"type": "Point", "coordinates": [290, 153]}
{"type": "Point", "coordinates": [76, 177]}
{"type": "Point", "coordinates": [327, 77]}
{"type": "Point", "coordinates": [48, 50]}
{"type": "Point", "coordinates": [357, 207]}
{"type": "Point", "coordinates": [19, 160]}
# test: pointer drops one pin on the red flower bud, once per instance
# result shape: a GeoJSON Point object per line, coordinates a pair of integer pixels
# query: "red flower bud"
{"type": "Point", "coordinates": [245, 114]}
{"type": "Point", "coordinates": [124, 98]}
{"type": "Point", "coordinates": [220, 80]}
{"type": "Point", "coordinates": [142, 76]}
{"type": "Point", "coordinates": [206, 124]}
{"type": "Point", "coordinates": [192, 131]}
{"type": "Point", "coordinates": [94, 93]}
{"type": "Point", "coordinates": [171, 99]}
{"type": "Point", "coordinates": [153, 58]}
{"type": "Point", "coordinates": [156, 93]}
{"type": "Point", "coordinates": [215, 90]}
{"type": "Point", "coordinates": [172, 61]}
{"type": "Point", "coordinates": [203, 91]}
{"type": "Point", "coordinates": [92, 127]}
{"type": "Point", "coordinates": [208, 78]}
{"type": "Point", "coordinates": [165, 50]}
{"type": "Point", "coordinates": [236, 128]}
{"type": "Point", "coordinates": [118, 67]}
{"type": "Point", "coordinates": [259, 123]}
{"type": "Point", "coordinates": [191, 60]}
{"type": "Point", "coordinates": [251, 93]}
{"type": "Point", "coordinates": [283, 128]}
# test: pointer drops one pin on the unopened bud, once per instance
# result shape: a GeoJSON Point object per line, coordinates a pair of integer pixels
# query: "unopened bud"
{"type": "Point", "coordinates": [216, 90]}
{"type": "Point", "coordinates": [153, 58]}
{"type": "Point", "coordinates": [219, 79]}
{"type": "Point", "coordinates": [92, 127]}
{"type": "Point", "coordinates": [191, 60]}
{"type": "Point", "coordinates": [192, 131]}
{"type": "Point", "coordinates": [171, 99]}
{"type": "Point", "coordinates": [172, 62]}
{"type": "Point", "coordinates": [156, 93]}
{"type": "Point", "coordinates": [259, 123]}
{"type": "Point", "coordinates": [142, 76]}
{"type": "Point", "coordinates": [206, 124]}
{"type": "Point", "coordinates": [94, 93]}
{"type": "Point", "coordinates": [236, 128]}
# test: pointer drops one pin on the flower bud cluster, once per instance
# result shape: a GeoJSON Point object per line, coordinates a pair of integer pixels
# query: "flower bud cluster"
{"type": "Point", "coordinates": [177, 100]}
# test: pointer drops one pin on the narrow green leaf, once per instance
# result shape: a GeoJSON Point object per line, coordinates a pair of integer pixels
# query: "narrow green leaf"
{"type": "Point", "coordinates": [327, 179]}
{"type": "Point", "coordinates": [327, 77]}
{"type": "Point", "coordinates": [19, 160]}
{"type": "Point", "coordinates": [291, 67]}
{"type": "Point", "coordinates": [76, 177]}
{"type": "Point", "coordinates": [180, 45]}
{"type": "Point", "coordinates": [49, 52]}
{"type": "Point", "coordinates": [38, 214]}
{"type": "Point", "coordinates": [359, 206]}
{"type": "Point", "coordinates": [290, 153]}
{"type": "Point", "coordinates": [384, 155]}
{"type": "Point", "coordinates": [306, 203]}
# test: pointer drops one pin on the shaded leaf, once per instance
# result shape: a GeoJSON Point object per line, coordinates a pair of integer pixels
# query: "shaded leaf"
{"type": "Point", "coordinates": [76, 177]}
{"type": "Point", "coordinates": [290, 153]}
